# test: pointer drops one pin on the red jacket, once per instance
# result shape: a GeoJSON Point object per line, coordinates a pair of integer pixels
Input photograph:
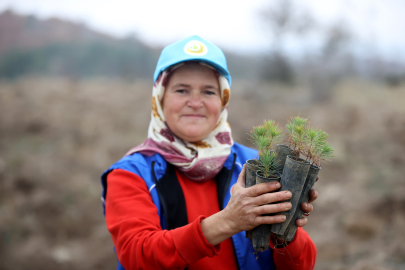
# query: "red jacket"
{"type": "Point", "coordinates": [134, 224]}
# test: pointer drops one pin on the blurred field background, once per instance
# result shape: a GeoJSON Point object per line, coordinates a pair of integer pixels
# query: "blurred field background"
{"type": "Point", "coordinates": [73, 101]}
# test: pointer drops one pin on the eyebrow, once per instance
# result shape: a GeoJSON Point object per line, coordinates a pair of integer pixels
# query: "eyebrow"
{"type": "Point", "coordinates": [210, 87]}
{"type": "Point", "coordinates": [181, 85]}
{"type": "Point", "coordinates": [187, 85]}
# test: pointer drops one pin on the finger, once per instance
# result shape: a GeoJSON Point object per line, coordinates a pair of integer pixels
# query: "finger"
{"type": "Point", "coordinates": [242, 177]}
{"type": "Point", "coordinates": [272, 197]}
{"type": "Point", "coordinates": [301, 222]}
{"type": "Point", "coordinates": [313, 195]}
{"type": "Point", "coordinates": [307, 207]}
{"type": "Point", "coordinates": [269, 219]}
{"type": "Point", "coordinates": [262, 188]}
{"type": "Point", "coordinates": [271, 208]}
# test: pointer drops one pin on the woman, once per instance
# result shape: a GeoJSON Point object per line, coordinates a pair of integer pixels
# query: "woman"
{"type": "Point", "coordinates": [178, 200]}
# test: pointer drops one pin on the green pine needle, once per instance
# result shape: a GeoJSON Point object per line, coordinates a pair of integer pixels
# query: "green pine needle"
{"type": "Point", "coordinates": [264, 137]}
{"type": "Point", "coordinates": [267, 163]}
{"type": "Point", "coordinates": [316, 146]}
{"type": "Point", "coordinates": [296, 127]}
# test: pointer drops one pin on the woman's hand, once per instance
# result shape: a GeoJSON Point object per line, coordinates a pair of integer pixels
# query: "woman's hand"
{"type": "Point", "coordinates": [245, 209]}
{"type": "Point", "coordinates": [307, 207]}
{"type": "Point", "coordinates": [247, 205]}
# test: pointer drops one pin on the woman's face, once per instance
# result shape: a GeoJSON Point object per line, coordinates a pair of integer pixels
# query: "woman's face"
{"type": "Point", "coordinates": [192, 101]}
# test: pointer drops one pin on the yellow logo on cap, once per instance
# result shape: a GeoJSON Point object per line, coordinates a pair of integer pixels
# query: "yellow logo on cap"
{"type": "Point", "coordinates": [195, 47]}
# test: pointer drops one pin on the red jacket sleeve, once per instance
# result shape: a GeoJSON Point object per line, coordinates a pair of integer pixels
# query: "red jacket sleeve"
{"type": "Point", "coordinates": [300, 254]}
{"type": "Point", "coordinates": [133, 222]}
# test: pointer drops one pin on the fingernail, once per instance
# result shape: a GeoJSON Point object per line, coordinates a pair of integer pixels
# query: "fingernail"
{"type": "Point", "coordinates": [287, 205]}
{"type": "Point", "coordinates": [288, 194]}
{"type": "Point", "coordinates": [277, 185]}
{"type": "Point", "coordinates": [282, 218]}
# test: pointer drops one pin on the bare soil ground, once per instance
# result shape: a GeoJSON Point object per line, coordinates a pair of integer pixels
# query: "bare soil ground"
{"type": "Point", "coordinates": [57, 136]}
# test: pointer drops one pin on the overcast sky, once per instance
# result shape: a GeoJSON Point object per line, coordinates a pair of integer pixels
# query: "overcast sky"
{"type": "Point", "coordinates": [377, 25]}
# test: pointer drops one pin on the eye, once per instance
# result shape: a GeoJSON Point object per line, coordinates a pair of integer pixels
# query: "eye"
{"type": "Point", "coordinates": [210, 92]}
{"type": "Point", "coordinates": [181, 91]}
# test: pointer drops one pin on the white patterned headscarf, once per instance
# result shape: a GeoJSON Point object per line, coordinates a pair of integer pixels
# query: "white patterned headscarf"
{"type": "Point", "coordinates": [199, 161]}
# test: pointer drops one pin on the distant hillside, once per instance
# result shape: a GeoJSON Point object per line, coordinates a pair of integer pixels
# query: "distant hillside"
{"type": "Point", "coordinates": [57, 47]}
{"type": "Point", "coordinates": [28, 32]}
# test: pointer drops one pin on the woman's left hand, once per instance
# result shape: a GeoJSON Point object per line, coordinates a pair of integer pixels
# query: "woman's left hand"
{"type": "Point", "coordinates": [307, 207]}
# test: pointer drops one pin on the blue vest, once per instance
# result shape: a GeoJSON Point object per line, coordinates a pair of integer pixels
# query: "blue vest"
{"type": "Point", "coordinates": [164, 189]}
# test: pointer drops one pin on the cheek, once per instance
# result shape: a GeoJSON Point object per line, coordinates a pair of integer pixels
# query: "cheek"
{"type": "Point", "coordinates": [171, 106]}
{"type": "Point", "coordinates": [166, 104]}
{"type": "Point", "coordinates": [215, 109]}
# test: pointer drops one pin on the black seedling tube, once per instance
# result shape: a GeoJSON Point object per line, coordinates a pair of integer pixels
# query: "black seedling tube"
{"type": "Point", "coordinates": [293, 179]}
{"type": "Point", "coordinates": [262, 233]}
{"type": "Point", "coordinates": [250, 180]}
{"type": "Point", "coordinates": [251, 169]}
{"type": "Point", "coordinates": [282, 151]}
{"type": "Point", "coordinates": [309, 183]}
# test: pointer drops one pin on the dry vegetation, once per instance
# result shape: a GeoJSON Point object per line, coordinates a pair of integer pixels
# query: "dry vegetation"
{"type": "Point", "coordinates": [57, 136]}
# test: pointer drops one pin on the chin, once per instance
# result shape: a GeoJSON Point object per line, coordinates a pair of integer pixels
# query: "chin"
{"type": "Point", "coordinates": [194, 137]}
{"type": "Point", "coordinates": [193, 133]}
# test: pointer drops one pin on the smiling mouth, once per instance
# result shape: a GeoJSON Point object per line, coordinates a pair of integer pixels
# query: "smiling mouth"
{"type": "Point", "coordinates": [194, 115]}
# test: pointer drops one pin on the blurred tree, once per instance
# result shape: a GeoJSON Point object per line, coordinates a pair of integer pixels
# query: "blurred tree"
{"type": "Point", "coordinates": [337, 39]}
{"type": "Point", "coordinates": [287, 20]}
{"type": "Point", "coordinates": [283, 19]}
{"type": "Point", "coordinates": [277, 67]}
{"type": "Point", "coordinates": [334, 62]}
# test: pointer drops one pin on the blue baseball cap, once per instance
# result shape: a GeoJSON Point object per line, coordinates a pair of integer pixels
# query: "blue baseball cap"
{"type": "Point", "coordinates": [189, 49]}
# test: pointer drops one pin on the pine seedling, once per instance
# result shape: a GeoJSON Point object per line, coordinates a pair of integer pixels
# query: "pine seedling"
{"type": "Point", "coordinates": [267, 163]}
{"type": "Point", "coordinates": [316, 146]}
{"type": "Point", "coordinates": [274, 132]}
{"type": "Point", "coordinates": [263, 143]}
{"type": "Point", "coordinates": [264, 137]}
{"type": "Point", "coordinates": [295, 128]}
{"type": "Point", "coordinates": [326, 154]}
{"type": "Point", "coordinates": [255, 135]}
{"type": "Point", "coordinates": [314, 140]}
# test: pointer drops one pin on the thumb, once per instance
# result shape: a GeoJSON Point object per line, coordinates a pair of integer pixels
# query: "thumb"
{"type": "Point", "coordinates": [242, 176]}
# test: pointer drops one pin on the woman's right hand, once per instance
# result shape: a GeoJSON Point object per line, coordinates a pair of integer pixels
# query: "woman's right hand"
{"type": "Point", "coordinates": [247, 206]}
{"type": "Point", "coordinates": [245, 210]}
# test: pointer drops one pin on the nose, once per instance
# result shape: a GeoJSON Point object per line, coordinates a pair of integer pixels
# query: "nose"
{"type": "Point", "coordinates": [195, 100]}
